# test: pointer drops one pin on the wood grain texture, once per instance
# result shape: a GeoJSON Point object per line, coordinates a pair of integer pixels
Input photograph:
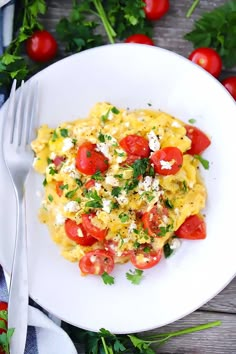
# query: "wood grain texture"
{"type": "Point", "coordinates": [168, 34]}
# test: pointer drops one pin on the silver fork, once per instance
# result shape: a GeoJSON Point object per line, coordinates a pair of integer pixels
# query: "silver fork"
{"type": "Point", "coordinates": [17, 134]}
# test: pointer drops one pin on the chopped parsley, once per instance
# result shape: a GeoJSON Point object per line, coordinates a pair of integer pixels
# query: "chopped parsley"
{"type": "Point", "coordinates": [49, 161]}
{"type": "Point", "coordinates": [164, 229]}
{"type": "Point", "coordinates": [205, 163]}
{"type": "Point", "coordinates": [108, 279]}
{"type": "Point", "coordinates": [52, 171]}
{"type": "Point", "coordinates": [192, 121]}
{"type": "Point", "coordinates": [129, 186]}
{"type": "Point", "coordinates": [95, 202]}
{"type": "Point", "coordinates": [97, 176]}
{"type": "Point", "coordinates": [147, 249]}
{"type": "Point", "coordinates": [64, 186]}
{"type": "Point", "coordinates": [79, 182]}
{"type": "Point", "coordinates": [167, 250]}
{"type": "Point", "coordinates": [123, 217]}
{"type": "Point", "coordinates": [54, 136]}
{"type": "Point", "coordinates": [169, 204]}
{"type": "Point", "coordinates": [71, 193]}
{"type": "Point", "coordinates": [135, 276]}
{"type": "Point", "coordinates": [50, 197]}
{"type": "Point", "coordinates": [104, 117]}
{"type": "Point", "coordinates": [151, 171]}
{"type": "Point", "coordinates": [115, 110]}
{"type": "Point", "coordinates": [116, 191]}
{"type": "Point", "coordinates": [64, 133]}
{"type": "Point", "coordinates": [139, 167]}
{"type": "Point", "coordinates": [114, 205]}
{"type": "Point", "coordinates": [88, 154]}
{"type": "Point", "coordinates": [184, 186]}
{"type": "Point", "coordinates": [119, 175]}
{"type": "Point", "coordinates": [45, 182]}
{"type": "Point", "coordinates": [101, 137]}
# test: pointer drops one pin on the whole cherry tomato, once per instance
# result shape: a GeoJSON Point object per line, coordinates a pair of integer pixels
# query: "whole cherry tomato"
{"type": "Point", "coordinates": [139, 38]}
{"type": "Point", "coordinates": [41, 46]}
{"type": "Point", "coordinates": [91, 229]}
{"type": "Point", "coordinates": [208, 59]}
{"type": "Point", "coordinates": [135, 145]}
{"type": "Point", "coordinates": [155, 9]}
{"type": "Point", "coordinates": [90, 161]}
{"type": "Point", "coordinates": [230, 84]}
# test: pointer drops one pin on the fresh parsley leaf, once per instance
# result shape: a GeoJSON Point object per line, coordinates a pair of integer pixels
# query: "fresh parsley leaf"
{"type": "Point", "coordinates": [184, 186]}
{"type": "Point", "coordinates": [114, 205]}
{"type": "Point", "coordinates": [95, 202]}
{"type": "Point", "coordinates": [71, 193]}
{"type": "Point", "coordinates": [116, 191]}
{"type": "Point", "coordinates": [135, 276]}
{"type": "Point", "coordinates": [129, 186]}
{"type": "Point", "coordinates": [169, 204]}
{"type": "Point", "coordinates": [64, 186]}
{"type": "Point", "coordinates": [167, 250]}
{"type": "Point", "coordinates": [108, 279]}
{"type": "Point", "coordinates": [164, 230]}
{"type": "Point", "coordinates": [64, 133]}
{"type": "Point", "coordinates": [79, 182]}
{"type": "Point", "coordinates": [45, 182]}
{"type": "Point", "coordinates": [88, 154]}
{"type": "Point", "coordinates": [192, 121]}
{"type": "Point", "coordinates": [50, 197]}
{"type": "Point", "coordinates": [216, 29]}
{"type": "Point", "coordinates": [115, 110]}
{"type": "Point", "coordinates": [139, 167]}
{"type": "Point", "coordinates": [123, 217]}
{"type": "Point", "coordinates": [205, 163]}
{"type": "Point", "coordinates": [98, 176]}
{"type": "Point", "coordinates": [54, 136]}
{"type": "Point", "coordinates": [49, 161]}
{"type": "Point", "coordinates": [104, 117]}
{"type": "Point", "coordinates": [101, 137]}
{"type": "Point", "coordinates": [52, 171]}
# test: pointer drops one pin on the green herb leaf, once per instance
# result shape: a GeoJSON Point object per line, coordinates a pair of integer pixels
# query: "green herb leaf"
{"type": "Point", "coordinates": [135, 276]}
{"type": "Point", "coordinates": [54, 136]}
{"type": "Point", "coordinates": [169, 204]}
{"type": "Point", "coordinates": [116, 191]}
{"type": "Point", "coordinates": [52, 171]}
{"type": "Point", "coordinates": [192, 121]}
{"type": "Point", "coordinates": [108, 279]}
{"type": "Point", "coordinates": [164, 230]}
{"type": "Point", "coordinates": [123, 217]}
{"type": "Point", "coordinates": [79, 182]}
{"type": "Point", "coordinates": [88, 154]}
{"type": "Point", "coordinates": [115, 110]}
{"type": "Point", "coordinates": [98, 176]}
{"type": "Point", "coordinates": [50, 197]}
{"type": "Point", "coordinates": [71, 193]}
{"type": "Point", "coordinates": [101, 137]}
{"type": "Point", "coordinates": [139, 167]}
{"type": "Point", "coordinates": [45, 182]}
{"type": "Point", "coordinates": [167, 250]}
{"type": "Point", "coordinates": [64, 186]}
{"type": "Point", "coordinates": [64, 133]}
{"type": "Point", "coordinates": [95, 202]}
{"type": "Point", "coordinates": [204, 162]}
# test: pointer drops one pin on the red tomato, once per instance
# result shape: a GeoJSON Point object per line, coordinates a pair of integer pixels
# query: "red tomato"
{"type": "Point", "coordinates": [112, 246]}
{"type": "Point", "coordinates": [77, 233]}
{"type": "Point", "coordinates": [59, 191]}
{"type": "Point", "coordinates": [155, 9]}
{"type": "Point", "coordinates": [139, 38]}
{"type": "Point", "coordinates": [152, 219]}
{"type": "Point", "coordinates": [90, 161]}
{"type": "Point", "coordinates": [3, 306]}
{"type": "Point", "coordinates": [208, 59]}
{"type": "Point", "coordinates": [144, 258]}
{"type": "Point", "coordinates": [200, 140]}
{"type": "Point", "coordinates": [92, 229]}
{"type": "Point", "coordinates": [97, 262]}
{"type": "Point", "coordinates": [130, 160]}
{"type": "Point", "coordinates": [193, 228]}
{"type": "Point", "coordinates": [89, 184]}
{"type": "Point", "coordinates": [1, 350]}
{"type": "Point", "coordinates": [230, 84]}
{"type": "Point", "coordinates": [41, 46]}
{"type": "Point", "coordinates": [167, 161]}
{"type": "Point", "coordinates": [135, 145]}
{"type": "Point", "coordinates": [58, 161]}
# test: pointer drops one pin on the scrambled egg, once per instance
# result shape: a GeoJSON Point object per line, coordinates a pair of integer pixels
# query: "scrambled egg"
{"type": "Point", "coordinates": [115, 202]}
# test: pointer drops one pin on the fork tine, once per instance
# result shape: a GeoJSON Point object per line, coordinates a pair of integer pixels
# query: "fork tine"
{"type": "Point", "coordinates": [32, 113]}
{"type": "Point", "coordinates": [18, 118]}
{"type": "Point", "coordinates": [10, 109]}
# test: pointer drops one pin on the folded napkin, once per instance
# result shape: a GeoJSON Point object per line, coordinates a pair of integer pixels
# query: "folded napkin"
{"type": "Point", "coordinates": [44, 336]}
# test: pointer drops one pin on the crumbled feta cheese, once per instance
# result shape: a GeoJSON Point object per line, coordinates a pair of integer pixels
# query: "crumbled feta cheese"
{"type": "Point", "coordinates": [122, 199]}
{"type": "Point", "coordinates": [132, 227]}
{"type": "Point", "coordinates": [52, 156]}
{"type": "Point", "coordinates": [60, 219]}
{"type": "Point", "coordinates": [70, 169]}
{"type": "Point", "coordinates": [112, 181]}
{"type": "Point", "coordinates": [104, 148]}
{"type": "Point", "coordinates": [155, 184]}
{"type": "Point", "coordinates": [165, 165]}
{"type": "Point", "coordinates": [106, 205]}
{"type": "Point", "coordinates": [176, 125]}
{"type": "Point", "coordinates": [110, 115]}
{"type": "Point", "coordinates": [176, 210]}
{"type": "Point", "coordinates": [165, 219]}
{"type": "Point", "coordinates": [80, 232]}
{"type": "Point", "coordinates": [67, 144]}
{"type": "Point", "coordinates": [71, 207]}
{"type": "Point", "coordinates": [153, 140]}
{"type": "Point", "coordinates": [175, 243]}
{"type": "Point", "coordinates": [97, 186]}
{"type": "Point", "coordinates": [93, 258]}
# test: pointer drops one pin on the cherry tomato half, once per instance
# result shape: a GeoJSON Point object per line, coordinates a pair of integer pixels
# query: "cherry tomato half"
{"type": "Point", "coordinates": [193, 228]}
{"type": "Point", "coordinates": [90, 161]}
{"type": "Point", "coordinates": [155, 9]}
{"type": "Point", "coordinates": [139, 38]}
{"type": "Point", "coordinates": [135, 145]}
{"type": "Point", "coordinates": [167, 161]}
{"type": "Point", "coordinates": [230, 84]}
{"type": "Point", "coordinates": [200, 140]}
{"type": "Point", "coordinates": [97, 262]}
{"type": "Point", "coordinates": [59, 191]}
{"type": "Point", "coordinates": [92, 229]}
{"type": "Point", "coordinates": [89, 184]}
{"type": "Point", "coordinates": [113, 247]}
{"type": "Point", "coordinates": [208, 59]}
{"type": "Point", "coordinates": [152, 219]}
{"type": "Point", "coordinates": [41, 46]}
{"type": "Point", "coordinates": [145, 257]}
{"type": "Point", "coordinates": [76, 232]}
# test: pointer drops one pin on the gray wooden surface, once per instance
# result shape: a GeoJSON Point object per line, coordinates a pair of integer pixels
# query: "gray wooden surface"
{"type": "Point", "coordinates": [169, 33]}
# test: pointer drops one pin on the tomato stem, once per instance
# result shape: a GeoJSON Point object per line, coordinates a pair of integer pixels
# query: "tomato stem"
{"type": "Point", "coordinates": [105, 346]}
{"type": "Point", "coordinates": [192, 8]}
{"type": "Point", "coordinates": [108, 28]}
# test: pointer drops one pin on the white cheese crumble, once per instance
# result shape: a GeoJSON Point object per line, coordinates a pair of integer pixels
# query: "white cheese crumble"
{"type": "Point", "coordinates": [175, 243]}
{"type": "Point", "coordinates": [153, 140]}
{"type": "Point", "coordinates": [155, 184]}
{"type": "Point", "coordinates": [80, 232]}
{"type": "Point", "coordinates": [71, 170]}
{"type": "Point", "coordinates": [165, 165]}
{"type": "Point", "coordinates": [122, 199]}
{"type": "Point", "coordinates": [145, 184]}
{"type": "Point", "coordinates": [176, 125]}
{"type": "Point", "coordinates": [104, 148]}
{"type": "Point", "coordinates": [53, 155]}
{"type": "Point", "coordinates": [97, 186]}
{"type": "Point", "coordinates": [67, 144]}
{"type": "Point", "coordinates": [112, 181]}
{"type": "Point", "coordinates": [110, 115]}
{"type": "Point", "coordinates": [59, 219]}
{"type": "Point", "coordinates": [106, 205]}
{"type": "Point", "coordinates": [71, 207]}
{"type": "Point", "coordinates": [132, 227]}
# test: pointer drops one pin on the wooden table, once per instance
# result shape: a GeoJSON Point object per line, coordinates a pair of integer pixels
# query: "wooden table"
{"type": "Point", "coordinates": [169, 33]}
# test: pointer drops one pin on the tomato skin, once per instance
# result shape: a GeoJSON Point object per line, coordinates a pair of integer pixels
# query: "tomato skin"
{"type": "Point", "coordinates": [112, 246]}
{"type": "Point", "coordinates": [167, 154]}
{"type": "Point", "coordinates": [89, 184]}
{"type": "Point", "coordinates": [152, 219]}
{"type": "Point", "coordinates": [139, 38]}
{"type": "Point", "coordinates": [72, 228]}
{"type": "Point", "coordinates": [230, 84]}
{"type": "Point", "coordinates": [135, 145]}
{"type": "Point", "coordinates": [90, 161]}
{"type": "Point", "coordinates": [208, 59]}
{"type": "Point", "coordinates": [41, 46]}
{"type": "Point", "coordinates": [3, 306]}
{"type": "Point", "coordinates": [145, 260]}
{"type": "Point", "coordinates": [59, 191]}
{"type": "Point", "coordinates": [199, 140]}
{"type": "Point", "coordinates": [193, 228]}
{"type": "Point", "coordinates": [92, 229]}
{"type": "Point", "coordinates": [97, 262]}
{"type": "Point", "coordinates": [155, 9]}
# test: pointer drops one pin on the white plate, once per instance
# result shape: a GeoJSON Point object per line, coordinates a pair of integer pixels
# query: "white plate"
{"type": "Point", "coordinates": [133, 76]}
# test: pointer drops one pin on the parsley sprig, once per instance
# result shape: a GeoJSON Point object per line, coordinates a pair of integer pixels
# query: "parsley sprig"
{"type": "Point", "coordinates": [6, 334]}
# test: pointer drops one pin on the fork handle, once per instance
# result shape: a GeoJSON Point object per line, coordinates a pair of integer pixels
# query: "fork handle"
{"type": "Point", "coordinates": [18, 294]}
